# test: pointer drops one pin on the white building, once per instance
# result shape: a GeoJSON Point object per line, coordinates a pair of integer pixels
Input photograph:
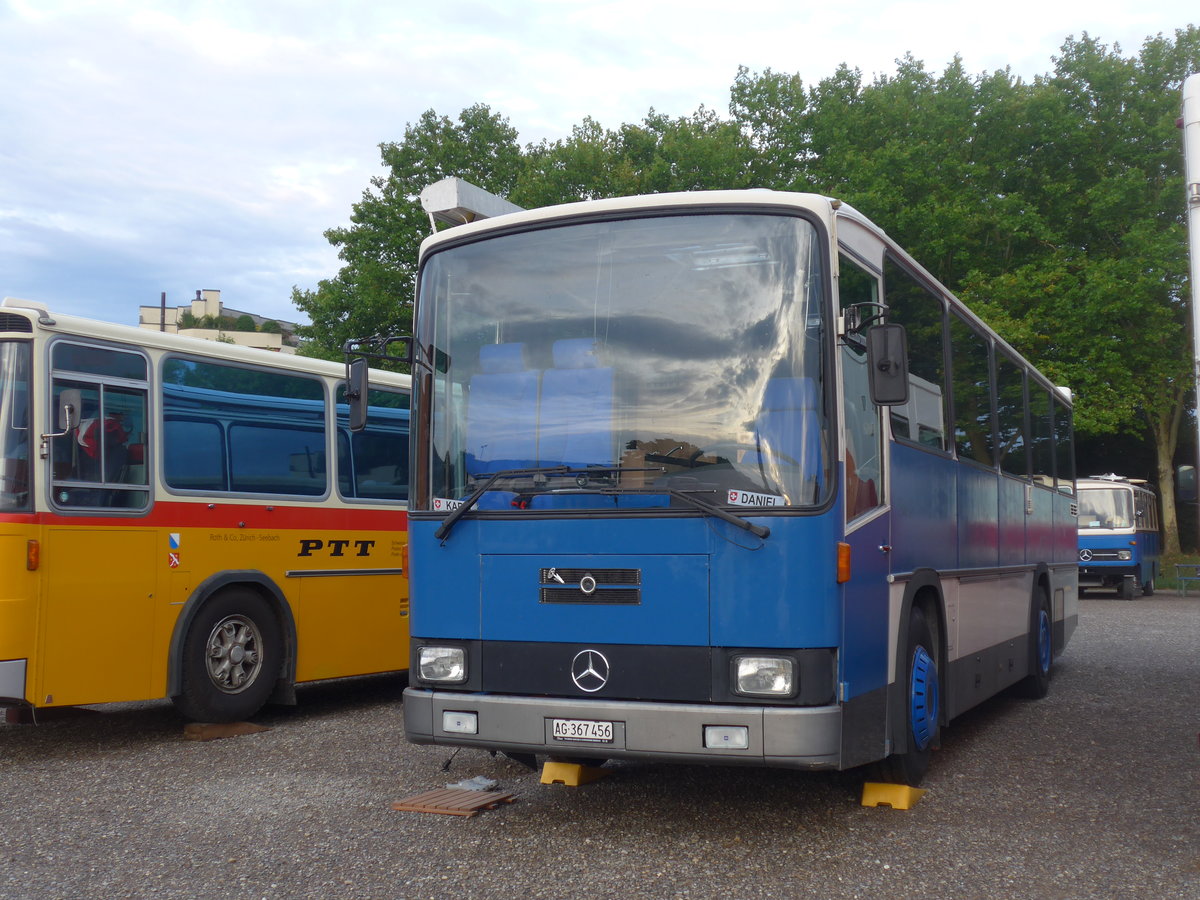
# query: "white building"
{"type": "Point", "coordinates": [196, 319]}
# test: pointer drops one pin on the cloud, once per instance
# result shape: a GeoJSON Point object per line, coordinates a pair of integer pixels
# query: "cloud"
{"type": "Point", "coordinates": [209, 144]}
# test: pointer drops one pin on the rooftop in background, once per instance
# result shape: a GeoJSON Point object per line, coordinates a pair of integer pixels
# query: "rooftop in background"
{"type": "Point", "coordinates": [207, 318]}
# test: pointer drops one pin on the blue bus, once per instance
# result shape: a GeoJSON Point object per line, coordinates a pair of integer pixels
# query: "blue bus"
{"type": "Point", "coordinates": [1119, 536]}
{"type": "Point", "coordinates": [722, 477]}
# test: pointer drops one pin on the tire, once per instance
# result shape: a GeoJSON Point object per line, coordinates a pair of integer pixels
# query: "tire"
{"type": "Point", "coordinates": [921, 710]}
{"type": "Point", "coordinates": [1148, 588]}
{"type": "Point", "coordinates": [1036, 684]}
{"type": "Point", "coordinates": [1128, 588]}
{"type": "Point", "coordinates": [232, 657]}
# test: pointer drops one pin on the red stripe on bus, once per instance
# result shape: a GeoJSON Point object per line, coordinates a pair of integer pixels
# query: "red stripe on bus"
{"type": "Point", "coordinates": [203, 514]}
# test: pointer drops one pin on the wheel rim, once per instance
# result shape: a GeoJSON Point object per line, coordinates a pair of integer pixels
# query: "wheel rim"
{"type": "Point", "coordinates": [923, 698]}
{"type": "Point", "coordinates": [1044, 643]}
{"type": "Point", "coordinates": [234, 656]}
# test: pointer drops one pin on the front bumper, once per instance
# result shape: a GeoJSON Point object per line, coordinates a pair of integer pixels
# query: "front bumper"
{"type": "Point", "coordinates": [790, 737]}
{"type": "Point", "coordinates": [1105, 575]}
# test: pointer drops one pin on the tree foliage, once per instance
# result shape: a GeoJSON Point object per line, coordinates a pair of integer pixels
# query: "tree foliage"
{"type": "Point", "coordinates": [1053, 207]}
{"type": "Point", "coordinates": [372, 292]}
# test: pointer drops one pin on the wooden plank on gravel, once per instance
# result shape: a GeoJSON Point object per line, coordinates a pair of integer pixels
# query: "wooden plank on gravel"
{"type": "Point", "coordinates": [210, 731]}
{"type": "Point", "coordinates": [453, 801]}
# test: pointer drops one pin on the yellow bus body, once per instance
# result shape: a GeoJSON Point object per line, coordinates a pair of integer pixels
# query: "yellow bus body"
{"type": "Point", "coordinates": [95, 604]}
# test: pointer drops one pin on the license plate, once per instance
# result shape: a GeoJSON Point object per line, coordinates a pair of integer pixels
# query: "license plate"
{"type": "Point", "coordinates": [582, 730]}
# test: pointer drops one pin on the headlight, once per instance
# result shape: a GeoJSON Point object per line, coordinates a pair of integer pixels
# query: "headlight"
{"type": "Point", "coordinates": [447, 665]}
{"type": "Point", "coordinates": [764, 676]}
{"type": "Point", "coordinates": [1124, 554]}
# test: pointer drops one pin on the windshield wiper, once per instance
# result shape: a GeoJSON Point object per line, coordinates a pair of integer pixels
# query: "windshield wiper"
{"type": "Point", "coordinates": [465, 506]}
{"type": "Point", "coordinates": [761, 531]}
{"type": "Point", "coordinates": [448, 523]}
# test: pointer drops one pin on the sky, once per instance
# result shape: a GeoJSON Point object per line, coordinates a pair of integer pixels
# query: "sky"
{"type": "Point", "coordinates": [182, 145]}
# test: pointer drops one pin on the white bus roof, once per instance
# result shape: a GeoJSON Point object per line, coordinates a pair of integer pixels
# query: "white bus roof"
{"type": "Point", "coordinates": [52, 323]}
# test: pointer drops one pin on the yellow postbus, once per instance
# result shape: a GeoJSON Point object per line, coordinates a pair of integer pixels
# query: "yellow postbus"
{"type": "Point", "coordinates": [191, 519]}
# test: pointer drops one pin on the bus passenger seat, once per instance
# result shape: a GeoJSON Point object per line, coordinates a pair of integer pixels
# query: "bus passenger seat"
{"type": "Point", "coordinates": [502, 406]}
{"type": "Point", "coordinates": [577, 408]}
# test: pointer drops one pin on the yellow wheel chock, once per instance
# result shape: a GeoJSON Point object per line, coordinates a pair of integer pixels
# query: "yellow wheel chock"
{"type": "Point", "coordinates": [897, 796]}
{"type": "Point", "coordinates": [571, 774]}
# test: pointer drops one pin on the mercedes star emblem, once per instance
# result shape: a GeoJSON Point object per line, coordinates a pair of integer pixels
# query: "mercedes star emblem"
{"type": "Point", "coordinates": [589, 670]}
{"type": "Point", "coordinates": [1085, 555]}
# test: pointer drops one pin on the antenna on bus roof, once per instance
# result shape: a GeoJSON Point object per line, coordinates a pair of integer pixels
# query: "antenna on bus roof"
{"type": "Point", "coordinates": [454, 201]}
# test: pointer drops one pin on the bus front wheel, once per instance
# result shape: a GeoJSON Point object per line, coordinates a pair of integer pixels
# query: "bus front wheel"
{"type": "Point", "coordinates": [231, 658]}
{"type": "Point", "coordinates": [1129, 588]}
{"type": "Point", "coordinates": [921, 705]}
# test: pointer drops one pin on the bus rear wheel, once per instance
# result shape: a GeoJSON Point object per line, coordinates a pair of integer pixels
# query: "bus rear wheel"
{"type": "Point", "coordinates": [1036, 684]}
{"type": "Point", "coordinates": [231, 658]}
{"type": "Point", "coordinates": [922, 698]}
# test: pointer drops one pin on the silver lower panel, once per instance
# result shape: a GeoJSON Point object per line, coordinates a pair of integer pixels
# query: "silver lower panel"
{"type": "Point", "coordinates": [807, 737]}
{"type": "Point", "coordinates": [12, 679]}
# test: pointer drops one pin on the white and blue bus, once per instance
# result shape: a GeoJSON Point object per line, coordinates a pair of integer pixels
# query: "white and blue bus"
{"type": "Point", "coordinates": [676, 494]}
{"type": "Point", "coordinates": [1120, 543]}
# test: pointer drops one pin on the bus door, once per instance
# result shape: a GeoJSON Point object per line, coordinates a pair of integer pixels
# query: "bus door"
{"type": "Point", "coordinates": [863, 664]}
{"type": "Point", "coordinates": [101, 562]}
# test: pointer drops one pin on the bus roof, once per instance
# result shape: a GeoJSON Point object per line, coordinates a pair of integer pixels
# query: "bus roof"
{"type": "Point", "coordinates": [1096, 482]}
{"type": "Point", "coordinates": [43, 321]}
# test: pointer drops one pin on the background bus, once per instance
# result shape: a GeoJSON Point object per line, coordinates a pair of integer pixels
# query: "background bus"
{"type": "Point", "coordinates": [663, 517]}
{"type": "Point", "coordinates": [1119, 535]}
{"type": "Point", "coordinates": [191, 519]}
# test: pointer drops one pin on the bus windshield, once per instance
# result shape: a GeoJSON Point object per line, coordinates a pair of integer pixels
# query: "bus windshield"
{"type": "Point", "coordinates": [14, 424]}
{"type": "Point", "coordinates": [678, 353]}
{"type": "Point", "coordinates": [1105, 508]}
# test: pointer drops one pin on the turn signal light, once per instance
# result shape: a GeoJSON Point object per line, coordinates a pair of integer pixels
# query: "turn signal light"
{"type": "Point", "coordinates": [33, 555]}
{"type": "Point", "coordinates": [843, 556]}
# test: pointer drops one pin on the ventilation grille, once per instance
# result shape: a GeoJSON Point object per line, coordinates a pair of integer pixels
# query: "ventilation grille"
{"type": "Point", "coordinates": [13, 322]}
{"type": "Point", "coordinates": [631, 596]}
{"type": "Point", "coordinates": [602, 576]}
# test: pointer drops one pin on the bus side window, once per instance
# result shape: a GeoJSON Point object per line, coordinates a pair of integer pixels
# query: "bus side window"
{"type": "Point", "coordinates": [909, 303]}
{"type": "Point", "coordinates": [861, 425]}
{"type": "Point", "coordinates": [1010, 411]}
{"type": "Point", "coordinates": [973, 437]}
{"type": "Point", "coordinates": [1041, 439]}
{"type": "Point", "coordinates": [1064, 448]}
{"type": "Point", "coordinates": [372, 464]}
{"type": "Point", "coordinates": [245, 430]}
{"type": "Point", "coordinates": [108, 448]}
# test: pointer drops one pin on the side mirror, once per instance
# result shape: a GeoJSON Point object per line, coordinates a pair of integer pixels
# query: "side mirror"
{"type": "Point", "coordinates": [70, 402]}
{"type": "Point", "coordinates": [1185, 483]}
{"type": "Point", "coordinates": [356, 393]}
{"type": "Point", "coordinates": [887, 361]}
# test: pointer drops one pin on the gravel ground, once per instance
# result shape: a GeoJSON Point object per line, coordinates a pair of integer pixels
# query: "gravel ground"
{"type": "Point", "coordinates": [1090, 793]}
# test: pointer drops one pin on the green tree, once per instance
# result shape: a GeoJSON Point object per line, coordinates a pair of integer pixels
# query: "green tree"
{"type": "Point", "coordinates": [1103, 303]}
{"type": "Point", "coordinates": [244, 323]}
{"type": "Point", "coordinates": [689, 153]}
{"type": "Point", "coordinates": [772, 111]}
{"type": "Point", "coordinates": [373, 291]}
